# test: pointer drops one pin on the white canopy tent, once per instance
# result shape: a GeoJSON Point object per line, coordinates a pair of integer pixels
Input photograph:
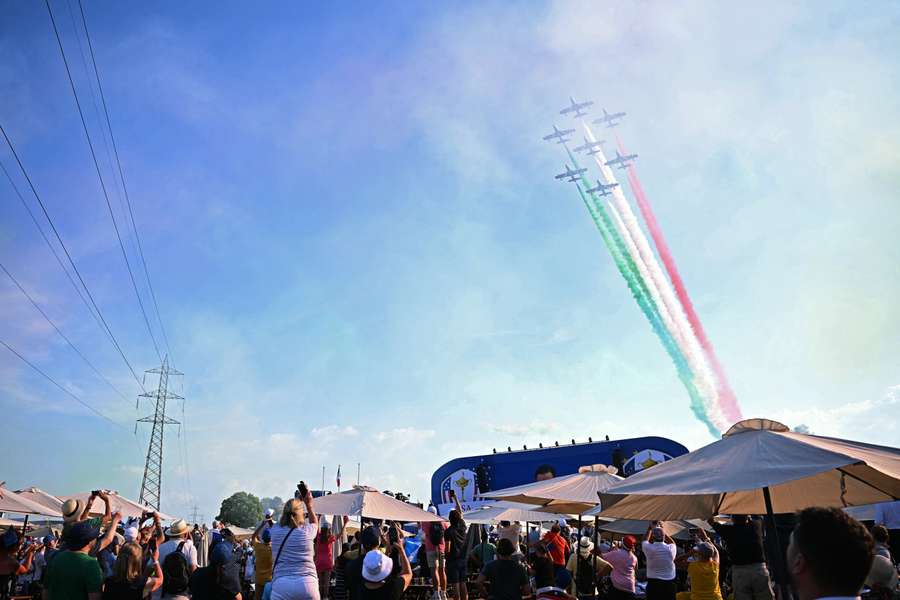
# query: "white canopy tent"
{"type": "Point", "coordinates": [11, 502]}
{"type": "Point", "coordinates": [41, 497]}
{"type": "Point", "coordinates": [369, 503]}
{"type": "Point", "coordinates": [569, 494]}
{"type": "Point", "coordinates": [758, 467]}
{"type": "Point", "coordinates": [507, 511]}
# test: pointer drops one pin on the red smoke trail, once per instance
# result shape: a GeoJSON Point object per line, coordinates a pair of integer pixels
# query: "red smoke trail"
{"type": "Point", "coordinates": [729, 402]}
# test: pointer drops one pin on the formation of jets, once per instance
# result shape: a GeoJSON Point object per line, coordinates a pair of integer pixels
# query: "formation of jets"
{"type": "Point", "coordinates": [602, 188]}
{"type": "Point", "coordinates": [560, 135]}
{"type": "Point", "coordinates": [571, 174]}
{"type": "Point", "coordinates": [576, 107]}
{"type": "Point", "coordinates": [620, 160]}
{"type": "Point", "coordinates": [590, 147]}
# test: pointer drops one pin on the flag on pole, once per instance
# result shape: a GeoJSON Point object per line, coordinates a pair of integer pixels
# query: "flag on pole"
{"type": "Point", "coordinates": [338, 477]}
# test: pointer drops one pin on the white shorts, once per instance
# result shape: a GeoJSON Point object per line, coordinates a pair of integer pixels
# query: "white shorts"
{"type": "Point", "coordinates": [295, 587]}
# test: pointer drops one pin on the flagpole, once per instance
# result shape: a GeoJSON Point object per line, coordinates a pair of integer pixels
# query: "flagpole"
{"type": "Point", "coordinates": [339, 479]}
{"type": "Point", "coordinates": [357, 473]}
{"type": "Point", "coordinates": [323, 479]}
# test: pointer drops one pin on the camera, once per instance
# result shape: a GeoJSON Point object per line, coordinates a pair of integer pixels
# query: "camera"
{"type": "Point", "coordinates": [95, 492]}
{"type": "Point", "coordinates": [302, 491]}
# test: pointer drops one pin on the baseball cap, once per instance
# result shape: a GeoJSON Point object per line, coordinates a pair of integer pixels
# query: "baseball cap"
{"type": "Point", "coordinates": [270, 512]}
{"type": "Point", "coordinates": [629, 542]}
{"type": "Point", "coordinates": [80, 534]}
{"type": "Point", "coordinates": [131, 533]}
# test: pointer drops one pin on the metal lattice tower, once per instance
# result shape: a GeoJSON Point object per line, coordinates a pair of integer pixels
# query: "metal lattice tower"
{"type": "Point", "coordinates": [152, 482]}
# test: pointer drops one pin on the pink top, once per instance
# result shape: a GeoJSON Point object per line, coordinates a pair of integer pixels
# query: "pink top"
{"type": "Point", "coordinates": [425, 528]}
{"type": "Point", "coordinates": [623, 563]}
{"type": "Point", "coordinates": [324, 554]}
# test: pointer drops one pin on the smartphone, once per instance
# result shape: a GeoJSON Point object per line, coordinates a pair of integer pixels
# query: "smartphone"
{"type": "Point", "coordinates": [393, 535]}
{"type": "Point", "coordinates": [302, 490]}
{"type": "Point", "coordinates": [452, 494]}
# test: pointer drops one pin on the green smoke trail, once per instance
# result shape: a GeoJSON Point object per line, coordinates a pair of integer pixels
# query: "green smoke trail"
{"type": "Point", "coordinates": [638, 287]}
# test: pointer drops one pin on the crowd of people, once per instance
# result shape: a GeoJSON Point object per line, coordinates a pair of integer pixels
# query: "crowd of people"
{"type": "Point", "coordinates": [827, 554]}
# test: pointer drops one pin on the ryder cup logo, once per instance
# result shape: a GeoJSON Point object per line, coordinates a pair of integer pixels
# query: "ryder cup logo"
{"type": "Point", "coordinates": [644, 460]}
{"type": "Point", "coordinates": [462, 482]}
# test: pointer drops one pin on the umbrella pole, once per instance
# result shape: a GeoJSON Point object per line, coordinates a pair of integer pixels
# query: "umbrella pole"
{"type": "Point", "coordinates": [25, 525]}
{"type": "Point", "coordinates": [779, 558]}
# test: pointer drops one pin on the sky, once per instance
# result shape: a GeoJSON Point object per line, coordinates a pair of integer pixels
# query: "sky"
{"type": "Point", "coordinates": [360, 255]}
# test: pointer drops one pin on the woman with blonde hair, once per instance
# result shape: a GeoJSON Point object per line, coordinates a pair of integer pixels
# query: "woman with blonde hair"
{"type": "Point", "coordinates": [294, 569]}
{"type": "Point", "coordinates": [128, 581]}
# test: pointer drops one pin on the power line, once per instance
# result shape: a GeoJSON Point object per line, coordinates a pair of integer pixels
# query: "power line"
{"type": "Point", "coordinates": [61, 334]}
{"type": "Point", "coordinates": [53, 381]}
{"type": "Point", "coordinates": [112, 138]}
{"type": "Point", "coordinates": [69, 256]}
{"type": "Point", "coordinates": [100, 177]}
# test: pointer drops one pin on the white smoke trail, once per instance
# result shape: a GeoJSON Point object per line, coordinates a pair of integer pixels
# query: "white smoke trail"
{"type": "Point", "coordinates": [670, 309]}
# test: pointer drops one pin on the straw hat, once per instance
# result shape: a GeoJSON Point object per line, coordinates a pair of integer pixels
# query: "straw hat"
{"type": "Point", "coordinates": [585, 546]}
{"type": "Point", "coordinates": [72, 509]}
{"type": "Point", "coordinates": [178, 528]}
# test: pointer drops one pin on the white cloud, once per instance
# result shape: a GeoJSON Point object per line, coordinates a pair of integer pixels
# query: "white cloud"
{"type": "Point", "coordinates": [331, 433]}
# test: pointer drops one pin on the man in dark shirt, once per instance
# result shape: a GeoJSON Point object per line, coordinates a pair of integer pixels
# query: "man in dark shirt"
{"type": "Point", "coordinates": [218, 581]}
{"type": "Point", "coordinates": [370, 538]}
{"type": "Point", "coordinates": [455, 540]}
{"type": "Point", "coordinates": [508, 578]}
{"type": "Point", "coordinates": [744, 542]}
{"type": "Point", "coordinates": [542, 567]}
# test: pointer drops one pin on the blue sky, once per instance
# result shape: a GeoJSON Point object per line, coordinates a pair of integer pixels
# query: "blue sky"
{"type": "Point", "coordinates": [360, 254]}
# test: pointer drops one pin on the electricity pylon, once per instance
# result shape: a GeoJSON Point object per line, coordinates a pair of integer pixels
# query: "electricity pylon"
{"type": "Point", "coordinates": [152, 482]}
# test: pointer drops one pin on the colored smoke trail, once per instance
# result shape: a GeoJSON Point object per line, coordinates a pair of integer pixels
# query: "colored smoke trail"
{"type": "Point", "coordinates": [730, 405]}
{"type": "Point", "coordinates": [639, 291]}
{"type": "Point", "coordinates": [669, 308]}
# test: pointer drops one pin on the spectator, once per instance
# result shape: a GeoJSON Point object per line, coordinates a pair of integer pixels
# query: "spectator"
{"type": "Point", "coordinates": [507, 577]}
{"type": "Point", "coordinates": [294, 569]}
{"type": "Point", "coordinates": [10, 567]}
{"type": "Point", "coordinates": [324, 558]}
{"type": "Point", "coordinates": [703, 571]}
{"type": "Point", "coordinates": [41, 557]}
{"type": "Point", "coordinates": [510, 531]}
{"type": "Point", "coordinates": [887, 514]}
{"type": "Point", "coordinates": [587, 569]}
{"type": "Point", "coordinates": [557, 546]}
{"type": "Point", "coordinates": [456, 551]}
{"type": "Point", "coordinates": [744, 542]}
{"type": "Point", "coordinates": [882, 578]}
{"type": "Point", "coordinates": [73, 574]}
{"type": "Point", "coordinates": [623, 562]}
{"type": "Point", "coordinates": [829, 555]}
{"type": "Point", "coordinates": [370, 539]}
{"type": "Point", "coordinates": [178, 557]}
{"type": "Point", "coordinates": [435, 557]}
{"type": "Point", "coordinates": [217, 581]}
{"type": "Point", "coordinates": [378, 582]}
{"type": "Point", "coordinates": [542, 568]}
{"type": "Point", "coordinates": [75, 510]}
{"type": "Point", "coordinates": [882, 542]}
{"type": "Point", "coordinates": [128, 581]}
{"type": "Point", "coordinates": [483, 553]}
{"type": "Point", "coordinates": [348, 553]}
{"type": "Point", "coordinates": [262, 554]}
{"type": "Point", "coordinates": [659, 551]}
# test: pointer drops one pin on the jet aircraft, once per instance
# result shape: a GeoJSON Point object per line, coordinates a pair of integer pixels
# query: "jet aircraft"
{"type": "Point", "coordinates": [609, 119]}
{"type": "Point", "coordinates": [602, 188]}
{"type": "Point", "coordinates": [576, 107]}
{"type": "Point", "coordinates": [621, 161]}
{"type": "Point", "coordinates": [591, 147]}
{"type": "Point", "coordinates": [560, 135]}
{"type": "Point", "coordinates": [571, 174]}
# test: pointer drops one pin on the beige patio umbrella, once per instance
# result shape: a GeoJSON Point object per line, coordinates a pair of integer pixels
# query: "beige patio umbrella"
{"type": "Point", "coordinates": [569, 494]}
{"type": "Point", "coordinates": [759, 467]}
{"type": "Point", "coordinates": [14, 503]}
{"type": "Point", "coordinates": [362, 501]}
{"type": "Point", "coordinates": [679, 530]}
{"type": "Point", "coordinates": [507, 511]}
{"type": "Point", "coordinates": [41, 497]}
{"type": "Point", "coordinates": [117, 503]}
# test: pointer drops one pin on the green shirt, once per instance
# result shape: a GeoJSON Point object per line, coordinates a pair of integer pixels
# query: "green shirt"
{"type": "Point", "coordinates": [490, 552]}
{"type": "Point", "coordinates": [72, 576]}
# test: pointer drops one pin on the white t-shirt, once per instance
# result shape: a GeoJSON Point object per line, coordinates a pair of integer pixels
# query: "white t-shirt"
{"type": "Point", "coordinates": [168, 547]}
{"type": "Point", "coordinates": [660, 560]}
{"type": "Point", "coordinates": [297, 555]}
{"type": "Point", "coordinates": [511, 533]}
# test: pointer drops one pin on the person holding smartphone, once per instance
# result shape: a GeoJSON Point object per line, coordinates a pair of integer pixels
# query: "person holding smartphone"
{"type": "Point", "coordinates": [293, 538]}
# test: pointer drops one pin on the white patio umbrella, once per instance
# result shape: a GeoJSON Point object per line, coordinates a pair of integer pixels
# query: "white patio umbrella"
{"type": "Point", "coordinates": [41, 497]}
{"type": "Point", "coordinates": [758, 467]}
{"type": "Point", "coordinates": [507, 511]}
{"type": "Point", "coordinates": [117, 503]}
{"type": "Point", "coordinates": [362, 501]}
{"type": "Point", "coordinates": [569, 494]}
{"type": "Point", "coordinates": [638, 527]}
{"type": "Point", "coordinates": [14, 503]}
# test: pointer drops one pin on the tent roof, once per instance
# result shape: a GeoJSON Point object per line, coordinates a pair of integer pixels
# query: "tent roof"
{"type": "Point", "coordinates": [507, 511]}
{"type": "Point", "coordinates": [728, 476]}
{"type": "Point", "coordinates": [117, 503]}
{"type": "Point", "coordinates": [41, 497]}
{"type": "Point", "coordinates": [569, 494]}
{"type": "Point", "coordinates": [370, 503]}
{"type": "Point", "coordinates": [14, 503]}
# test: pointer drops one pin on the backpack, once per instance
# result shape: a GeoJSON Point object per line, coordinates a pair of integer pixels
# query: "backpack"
{"type": "Point", "coordinates": [436, 533]}
{"type": "Point", "coordinates": [176, 575]}
{"type": "Point", "coordinates": [585, 581]}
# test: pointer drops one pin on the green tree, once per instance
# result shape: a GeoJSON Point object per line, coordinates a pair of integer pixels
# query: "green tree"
{"type": "Point", "coordinates": [242, 509]}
